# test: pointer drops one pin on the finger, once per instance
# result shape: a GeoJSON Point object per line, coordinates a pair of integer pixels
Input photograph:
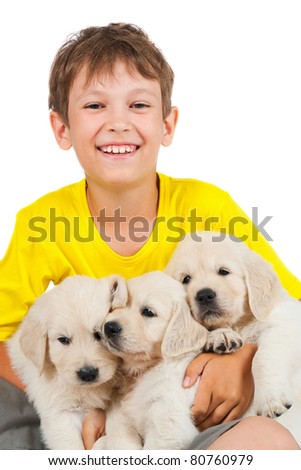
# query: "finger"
{"type": "Point", "coordinates": [202, 406]}
{"type": "Point", "coordinates": [93, 427]}
{"type": "Point", "coordinates": [221, 414]}
{"type": "Point", "coordinates": [201, 415]}
{"type": "Point", "coordinates": [204, 401]}
{"type": "Point", "coordinates": [195, 369]}
{"type": "Point", "coordinates": [235, 413]}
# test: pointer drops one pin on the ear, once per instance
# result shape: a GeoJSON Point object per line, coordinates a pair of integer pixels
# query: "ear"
{"type": "Point", "coordinates": [61, 131]}
{"type": "Point", "coordinates": [263, 285]}
{"type": "Point", "coordinates": [33, 338]}
{"type": "Point", "coordinates": [170, 123]}
{"type": "Point", "coordinates": [183, 333]}
{"type": "Point", "coordinates": [119, 291]}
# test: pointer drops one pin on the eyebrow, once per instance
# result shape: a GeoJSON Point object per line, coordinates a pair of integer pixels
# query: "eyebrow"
{"type": "Point", "coordinates": [96, 91]}
{"type": "Point", "coordinates": [143, 90]}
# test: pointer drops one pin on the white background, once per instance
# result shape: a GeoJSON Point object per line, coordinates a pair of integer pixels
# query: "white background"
{"type": "Point", "coordinates": [238, 87]}
{"type": "Point", "coordinates": [35, 460]}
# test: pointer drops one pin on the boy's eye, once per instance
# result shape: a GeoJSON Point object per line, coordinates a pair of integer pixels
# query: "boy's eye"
{"type": "Point", "coordinates": [94, 106]}
{"type": "Point", "coordinates": [139, 106]}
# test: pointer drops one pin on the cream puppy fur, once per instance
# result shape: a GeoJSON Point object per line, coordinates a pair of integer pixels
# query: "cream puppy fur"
{"type": "Point", "coordinates": [156, 337]}
{"type": "Point", "coordinates": [58, 353]}
{"type": "Point", "coordinates": [230, 286]}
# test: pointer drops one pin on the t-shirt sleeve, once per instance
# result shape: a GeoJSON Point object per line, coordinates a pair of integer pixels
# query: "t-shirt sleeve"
{"type": "Point", "coordinates": [24, 275]}
{"type": "Point", "coordinates": [234, 220]}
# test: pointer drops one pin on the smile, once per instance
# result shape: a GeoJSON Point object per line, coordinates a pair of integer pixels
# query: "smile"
{"type": "Point", "coordinates": [118, 149]}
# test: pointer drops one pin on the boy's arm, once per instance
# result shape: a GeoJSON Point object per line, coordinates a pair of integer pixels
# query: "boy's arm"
{"type": "Point", "coordinates": [226, 386]}
{"type": "Point", "coordinates": [6, 370]}
{"type": "Point", "coordinates": [93, 427]}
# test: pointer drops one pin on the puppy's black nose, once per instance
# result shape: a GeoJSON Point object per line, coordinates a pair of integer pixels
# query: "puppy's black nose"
{"type": "Point", "coordinates": [87, 374]}
{"type": "Point", "coordinates": [205, 296]}
{"type": "Point", "coordinates": [112, 328]}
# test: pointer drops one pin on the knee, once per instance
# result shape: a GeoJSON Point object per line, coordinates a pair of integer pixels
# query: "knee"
{"type": "Point", "coordinates": [256, 433]}
{"type": "Point", "coordinates": [268, 433]}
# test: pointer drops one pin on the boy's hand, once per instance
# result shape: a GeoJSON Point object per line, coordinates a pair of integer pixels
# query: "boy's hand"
{"type": "Point", "coordinates": [93, 427]}
{"type": "Point", "coordinates": [226, 386]}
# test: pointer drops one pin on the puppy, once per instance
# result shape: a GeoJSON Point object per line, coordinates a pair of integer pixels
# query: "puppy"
{"type": "Point", "coordinates": [58, 354]}
{"type": "Point", "coordinates": [230, 286]}
{"type": "Point", "coordinates": [156, 337]}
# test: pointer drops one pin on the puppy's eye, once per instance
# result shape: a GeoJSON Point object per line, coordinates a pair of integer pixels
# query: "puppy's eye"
{"type": "Point", "coordinates": [186, 279]}
{"type": "Point", "coordinates": [147, 312]}
{"type": "Point", "coordinates": [223, 272]}
{"type": "Point", "coordinates": [64, 340]}
{"type": "Point", "coordinates": [97, 336]}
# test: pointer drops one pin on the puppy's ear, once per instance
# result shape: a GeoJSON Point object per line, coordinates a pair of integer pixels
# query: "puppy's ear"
{"type": "Point", "coordinates": [33, 338]}
{"type": "Point", "coordinates": [263, 285]}
{"type": "Point", "coordinates": [119, 291]}
{"type": "Point", "coordinates": [183, 333]}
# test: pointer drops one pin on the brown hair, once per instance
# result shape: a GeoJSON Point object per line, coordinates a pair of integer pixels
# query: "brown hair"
{"type": "Point", "coordinates": [98, 49]}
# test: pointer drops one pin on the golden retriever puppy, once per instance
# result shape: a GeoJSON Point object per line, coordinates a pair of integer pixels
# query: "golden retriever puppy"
{"type": "Point", "coordinates": [156, 337]}
{"type": "Point", "coordinates": [58, 353]}
{"type": "Point", "coordinates": [135, 333]}
{"type": "Point", "coordinates": [230, 286]}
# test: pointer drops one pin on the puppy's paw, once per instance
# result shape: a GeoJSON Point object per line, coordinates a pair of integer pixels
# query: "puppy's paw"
{"type": "Point", "coordinates": [223, 340]}
{"type": "Point", "coordinates": [272, 405]}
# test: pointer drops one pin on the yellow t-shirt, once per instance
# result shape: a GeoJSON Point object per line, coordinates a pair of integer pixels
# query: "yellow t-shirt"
{"type": "Point", "coordinates": [55, 237]}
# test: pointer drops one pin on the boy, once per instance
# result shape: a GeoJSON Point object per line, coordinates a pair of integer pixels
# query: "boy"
{"type": "Point", "coordinates": [110, 99]}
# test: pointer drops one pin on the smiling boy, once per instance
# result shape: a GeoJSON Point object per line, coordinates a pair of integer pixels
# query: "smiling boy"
{"type": "Point", "coordinates": [115, 127]}
{"type": "Point", "coordinates": [110, 100]}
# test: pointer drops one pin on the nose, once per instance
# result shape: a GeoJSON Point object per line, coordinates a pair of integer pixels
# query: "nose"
{"type": "Point", "coordinates": [118, 121]}
{"type": "Point", "coordinates": [112, 328]}
{"type": "Point", "coordinates": [87, 374]}
{"type": "Point", "coordinates": [205, 296]}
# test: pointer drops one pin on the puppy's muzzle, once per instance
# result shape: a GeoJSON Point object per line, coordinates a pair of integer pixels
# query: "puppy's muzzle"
{"type": "Point", "coordinates": [205, 296]}
{"type": "Point", "coordinates": [88, 374]}
{"type": "Point", "coordinates": [112, 329]}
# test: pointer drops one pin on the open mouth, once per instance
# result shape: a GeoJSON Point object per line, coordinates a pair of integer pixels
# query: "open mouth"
{"type": "Point", "coordinates": [118, 151]}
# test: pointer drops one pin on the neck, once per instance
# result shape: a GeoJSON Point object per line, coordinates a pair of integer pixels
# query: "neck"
{"type": "Point", "coordinates": [124, 216]}
{"type": "Point", "coordinates": [139, 200]}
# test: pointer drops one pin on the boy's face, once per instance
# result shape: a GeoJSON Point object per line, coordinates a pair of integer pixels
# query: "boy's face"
{"type": "Point", "coordinates": [115, 126]}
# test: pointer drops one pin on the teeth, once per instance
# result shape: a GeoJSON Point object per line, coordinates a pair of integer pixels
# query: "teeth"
{"type": "Point", "coordinates": [118, 149]}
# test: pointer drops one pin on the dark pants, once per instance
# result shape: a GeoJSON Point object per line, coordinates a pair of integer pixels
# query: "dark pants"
{"type": "Point", "coordinates": [20, 424]}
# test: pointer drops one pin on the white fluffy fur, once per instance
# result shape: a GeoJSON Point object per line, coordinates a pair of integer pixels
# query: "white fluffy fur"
{"type": "Point", "coordinates": [75, 309]}
{"type": "Point", "coordinates": [250, 300]}
{"type": "Point", "coordinates": [154, 414]}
